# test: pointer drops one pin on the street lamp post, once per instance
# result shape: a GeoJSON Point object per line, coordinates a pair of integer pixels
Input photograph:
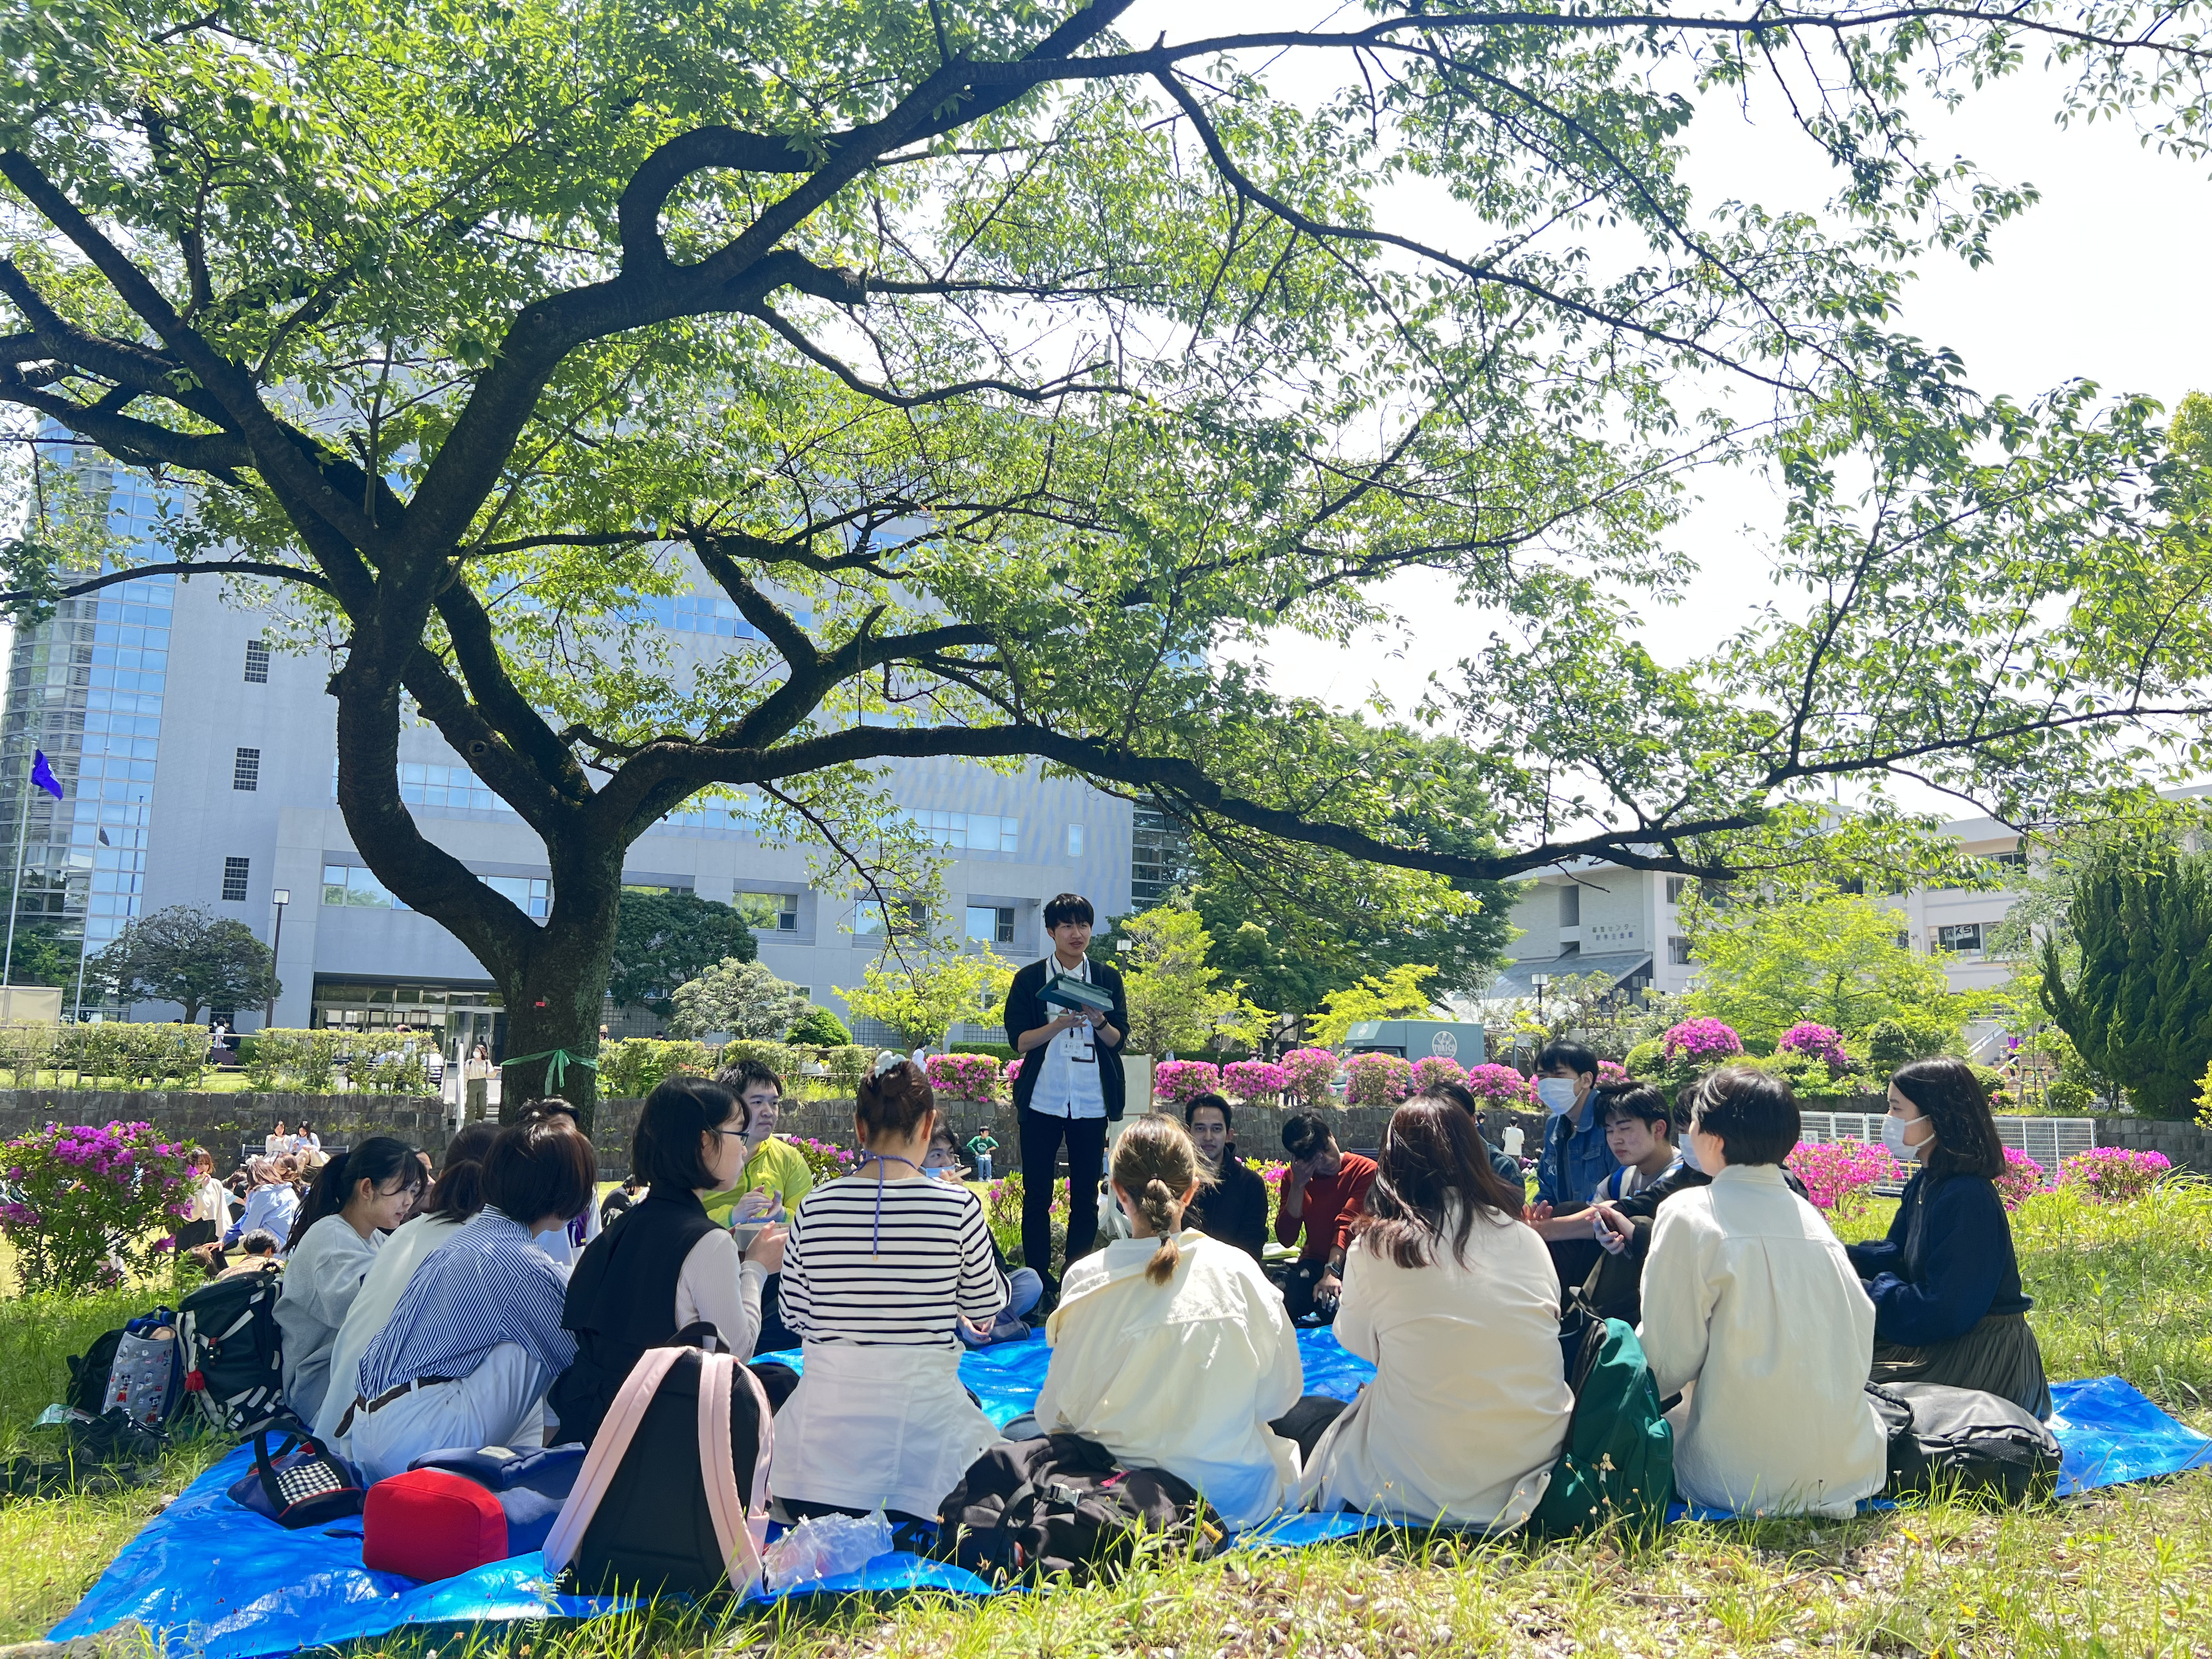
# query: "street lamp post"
{"type": "Point", "coordinates": [281, 897]}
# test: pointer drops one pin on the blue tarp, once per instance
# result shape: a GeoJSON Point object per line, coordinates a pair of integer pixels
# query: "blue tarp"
{"type": "Point", "coordinates": [281, 1591]}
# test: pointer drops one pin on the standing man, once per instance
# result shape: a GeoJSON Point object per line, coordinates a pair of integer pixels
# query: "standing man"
{"type": "Point", "coordinates": [1069, 1086]}
{"type": "Point", "coordinates": [1324, 1192]}
{"type": "Point", "coordinates": [1575, 1159]}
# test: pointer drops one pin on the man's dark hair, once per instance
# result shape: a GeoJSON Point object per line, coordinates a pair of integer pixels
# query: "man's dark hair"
{"type": "Point", "coordinates": [1066, 907]}
{"type": "Point", "coordinates": [1304, 1133]}
{"type": "Point", "coordinates": [551, 1106]}
{"type": "Point", "coordinates": [1950, 1096]}
{"type": "Point", "coordinates": [742, 1076]}
{"type": "Point", "coordinates": [1752, 1113]}
{"type": "Point", "coordinates": [665, 1148]}
{"type": "Point", "coordinates": [260, 1242]}
{"type": "Point", "coordinates": [1190, 1110]}
{"type": "Point", "coordinates": [1636, 1100]}
{"type": "Point", "coordinates": [539, 1167]}
{"type": "Point", "coordinates": [1565, 1051]}
{"type": "Point", "coordinates": [1452, 1094]}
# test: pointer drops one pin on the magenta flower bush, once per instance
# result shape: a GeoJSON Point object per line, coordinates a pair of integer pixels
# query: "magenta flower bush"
{"type": "Point", "coordinates": [1701, 1042]}
{"type": "Point", "coordinates": [85, 1206]}
{"type": "Point", "coordinates": [964, 1077]}
{"type": "Point", "coordinates": [1378, 1079]}
{"type": "Point", "coordinates": [1501, 1085]}
{"type": "Point", "coordinates": [1839, 1173]}
{"type": "Point", "coordinates": [2022, 1179]}
{"type": "Point", "coordinates": [1307, 1073]}
{"type": "Point", "coordinates": [2111, 1173]}
{"type": "Point", "coordinates": [1819, 1042]}
{"type": "Point", "coordinates": [1611, 1071]}
{"type": "Point", "coordinates": [826, 1160]}
{"type": "Point", "coordinates": [1255, 1081]}
{"type": "Point", "coordinates": [1175, 1081]}
{"type": "Point", "coordinates": [1437, 1068]}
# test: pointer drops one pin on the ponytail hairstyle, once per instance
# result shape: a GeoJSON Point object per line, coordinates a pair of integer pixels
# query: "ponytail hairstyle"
{"type": "Point", "coordinates": [1156, 1163]}
{"type": "Point", "coordinates": [376, 1161]}
{"type": "Point", "coordinates": [459, 1194]}
{"type": "Point", "coordinates": [893, 1098]}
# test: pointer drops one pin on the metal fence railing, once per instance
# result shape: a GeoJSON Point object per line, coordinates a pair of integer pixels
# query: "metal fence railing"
{"type": "Point", "coordinates": [2049, 1140]}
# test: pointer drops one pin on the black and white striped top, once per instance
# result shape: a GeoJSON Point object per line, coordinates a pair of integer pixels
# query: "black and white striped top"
{"type": "Point", "coordinates": [897, 1278]}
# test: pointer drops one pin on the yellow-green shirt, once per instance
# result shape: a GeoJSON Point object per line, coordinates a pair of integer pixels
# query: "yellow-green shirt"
{"type": "Point", "coordinates": [777, 1165]}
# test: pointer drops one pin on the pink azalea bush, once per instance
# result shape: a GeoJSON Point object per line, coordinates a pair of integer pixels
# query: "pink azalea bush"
{"type": "Point", "coordinates": [2112, 1174]}
{"type": "Point", "coordinates": [1308, 1072]}
{"type": "Point", "coordinates": [1437, 1068]}
{"type": "Point", "coordinates": [1839, 1173]}
{"type": "Point", "coordinates": [1819, 1042]}
{"type": "Point", "coordinates": [1611, 1071]}
{"type": "Point", "coordinates": [826, 1160]}
{"type": "Point", "coordinates": [84, 1206]}
{"type": "Point", "coordinates": [1255, 1082]}
{"type": "Point", "coordinates": [1501, 1085]}
{"type": "Point", "coordinates": [2022, 1179]}
{"type": "Point", "coordinates": [1378, 1079]}
{"type": "Point", "coordinates": [1175, 1081]}
{"type": "Point", "coordinates": [964, 1077]}
{"type": "Point", "coordinates": [1700, 1042]}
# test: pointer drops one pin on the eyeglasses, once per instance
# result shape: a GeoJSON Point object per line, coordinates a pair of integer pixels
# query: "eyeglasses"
{"type": "Point", "coordinates": [735, 1135]}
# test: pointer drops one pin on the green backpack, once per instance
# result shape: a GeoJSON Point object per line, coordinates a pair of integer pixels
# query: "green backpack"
{"type": "Point", "coordinates": [1619, 1462]}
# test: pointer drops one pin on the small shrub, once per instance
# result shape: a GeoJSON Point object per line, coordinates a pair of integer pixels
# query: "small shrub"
{"type": "Point", "coordinates": [1255, 1081]}
{"type": "Point", "coordinates": [1891, 1042]}
{"type": "Point", "coordinates": [1700, 1042]}
{"type": "Point", "coordinates": [1175, 1081]}
{"type": "Point", "coordinates": [1378, 1079]}
{"type": "Point", "coordinates": [1647, 1059]}
{"type": "Point", "coordinates": [847, 1064]}
{"type": "Point", "coordinates": [1437, 1068]}
{"type": "Point", "coordinates": [1838, 1174]}
{"type": "Point", "coordinates": [1502, 1086]}
{"type": "Point", "coordinates": [1309, 1072]}
{"type": "Point", "coordinates": [965, 1077]}
{"type": "Point", "coordinates": [2064, 1097]}
{"type": "Point", "coordinates": [1819, 1042]}
{"type": "Point", "coordinates": [1610, 1072]}
{"type": "Point", "coordinates": [2022, 1179]}
{"type": "Point", "coordinates": [785, 1061]}
{"type": "Point", "coordinates": [85, 1207]}
{"type": "Point", "coordinates": [820, 1028]}
{"type": "Point", "coordinates": [635, 1067]}
{"type": "Point", "coordinates": [2112, 1174]}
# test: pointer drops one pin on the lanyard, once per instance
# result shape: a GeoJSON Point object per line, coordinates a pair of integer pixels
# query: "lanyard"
{"type": "Point", "coordinates": [880, 1159]}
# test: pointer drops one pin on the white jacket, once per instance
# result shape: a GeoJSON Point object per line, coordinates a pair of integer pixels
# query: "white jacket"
{"type": "Point", "coordinates": [1183, 1376]}
{"type": "Point", "coordinates": [1748, 1295]}
{"type": "Point", "coordinates": [1469, 1406]}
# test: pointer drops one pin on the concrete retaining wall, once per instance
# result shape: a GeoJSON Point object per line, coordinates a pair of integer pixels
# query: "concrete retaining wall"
{"type": "Point", "coordinates": [221, 1122]}
{"type": "Point", "coordinates": [2189, 1146]}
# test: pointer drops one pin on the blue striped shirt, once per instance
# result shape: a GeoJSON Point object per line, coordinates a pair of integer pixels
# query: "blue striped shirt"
{"type": "Point", "coordinates": [486, 1285]}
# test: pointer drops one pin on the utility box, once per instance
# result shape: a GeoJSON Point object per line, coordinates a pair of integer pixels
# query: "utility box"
{"type": "Point", "coordinates": [1416, 1039]}
{"type": "Point", "coordinates": [30, 1005]}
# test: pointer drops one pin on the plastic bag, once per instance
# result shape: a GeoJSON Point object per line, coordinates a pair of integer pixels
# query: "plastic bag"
{"type": "Point", "coordinates": [824, 1545]}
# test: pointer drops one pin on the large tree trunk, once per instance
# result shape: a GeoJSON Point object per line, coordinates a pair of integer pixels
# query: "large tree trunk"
{"type": "Point", "coordinates": [555, 993]}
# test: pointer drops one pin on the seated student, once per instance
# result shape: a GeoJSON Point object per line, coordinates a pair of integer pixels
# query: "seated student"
{"type": "Point", "coordinates": [260, 1255]}
{"type": "Point", "coordinates": [210, 1203]}
{"type": "Point", "coordinates": [1025, 1286]}
{"type": "Point", "coordinates": [272, 1204]}
{"type": "Point", "coordinates": [619, 1200]}
{"type": "Point", "coordinates": [455, 1197]}
{"type": "Point", "coordinates": [476, 1339]}
{"type": "Point", "coordinates": [565, 1244]}
{"type": "Point", "coordinates": [882, 1265]}
{"type": "Point", "coordinates": [1751, 1307]}
{"type": "Point", "coordinates": [1461, 1097]}
{"type": "Point", "coordinates": [775, 1177]}
{"type": "Point", "coordinates": [1170, 1348]}
{"type": "Point", "coordinates": [664, 1266]}
{"type": "Point", "coordinates": [357, 1196]}
{"type": "Point", "coordinates": [1639, 1132]}
{"type": "Point", "coordinates": [1232, 1204]}
{"type": "Point", "coordinates": [1323, 1191]}
{"type": "Point", "coordinates": [280, 1140]}
{"type": "Point", "coordinates": [1454, 1300]}
{"type": "Point", "coordinates": [1945, 1284]}
{"type": "Point", "coordinates": [1574, 1158]}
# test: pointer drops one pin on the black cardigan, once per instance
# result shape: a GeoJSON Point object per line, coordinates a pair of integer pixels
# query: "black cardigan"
{"type": "Point", "coordinates": [1026, 1011]}
{"type": "Point", "coordinates": [621, 1301]}
{"type": "Point", "coordinates": [1234, 1208]}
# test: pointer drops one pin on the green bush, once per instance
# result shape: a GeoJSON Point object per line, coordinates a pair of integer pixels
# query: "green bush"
{"type": "Point", "coordinates": [817, 1028]}
{"type": "Point", "coordinates": [149, 1056]}
{"type": "Point", "coordinates": [1809, 1078]}
{"type": "Point", "coordinates": [1002, 1051]}
{"type": "Point", "coordinates": [632, 1068]}
{"type": "Point", "coordinates": [2067, 1097]}
{"type": "Point", "coordinates": [1646, 1059]}
{"type": "Point", "coordinates": [848, 1065]}
{"type": "Point", "coordinates": [1891, 1042]}
{"type": "Point", "coordinates": [375, 1062]}
{"type": "Point", "coordinates": [785, 1061]}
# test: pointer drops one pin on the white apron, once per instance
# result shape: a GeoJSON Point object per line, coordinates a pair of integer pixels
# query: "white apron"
{"type": "Point", "coordinates": [888, 1426]}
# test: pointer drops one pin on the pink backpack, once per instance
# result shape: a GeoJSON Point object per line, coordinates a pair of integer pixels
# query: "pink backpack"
{"type": "Point", "coordinates": [658, 1504]}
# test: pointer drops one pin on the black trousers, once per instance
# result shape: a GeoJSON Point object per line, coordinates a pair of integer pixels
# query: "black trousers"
{"type": "Point", "coordinates": [1308, 1420]}
{"type": "Point", "coordinates": [1042, 1136]}
{"type": "Point", "coordinates": [1298, 1294]}
{"type": "Point", "coordinates": [775, 1335]}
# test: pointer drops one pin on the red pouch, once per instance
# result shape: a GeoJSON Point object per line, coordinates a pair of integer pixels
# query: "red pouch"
{"type": "Point", "coordinates": [427, 1523]}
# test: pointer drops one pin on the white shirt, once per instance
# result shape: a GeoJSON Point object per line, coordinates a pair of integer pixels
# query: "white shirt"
{"type": "Point", "coordinates": [211, 1202]}
{"type": "Point", "coordinates": [1748, 1295]}
{"type": "Point", "coordinates": [397, 1258]}
{"type": "Point", "coordinates": [1069, 1086]}
{"type": "Point", "coordinates": [322, 1278]}
{"type": "Point", "coordinates": [1183, 1376]}
{"type": "Point", "coordinates": [1513, 1138]}
{"type": "Point", "coordinates": [565, 1244]}
{"type": "Point", "coordinates": [1470, 1403]}
{"type": "Point", "coordinates": [717, 1284]}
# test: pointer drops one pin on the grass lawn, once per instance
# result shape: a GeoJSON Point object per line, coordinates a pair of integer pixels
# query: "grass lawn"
{"type": "Point", "coordinates": [2125, 1573]}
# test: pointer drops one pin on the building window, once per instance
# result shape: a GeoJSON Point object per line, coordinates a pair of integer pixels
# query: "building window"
{"type": "Point", "coordinates": [1904, 940]}
{"type": "Point", "coordinates": [991, 923]}
{"type": "Point", "coordinates": [771, 913]}
{"type": "Point", "coordinates": [976, 832]}
{"type": "Point", "coordinates": [868, 921]}
{"type": "Point", "coordinates": [1570, 906]}
{"type": "Point", "coordinates": [234, 880]}
{"type": "Point", "coordinates": [1676, 886]}
{"type": "Point", "coordinates": [1075, 841]}
{"type": "Point", "coordinates": [1964, 938]}
{"type": "Point", "coordinates": [532, 895]}
{"type": "Point", "coordinates": [246, 769]}
{"type": "Point", "coordinates": [256, 663]}
{"type": "Point", "coordinates": [1678, 951]}
{"type": "Point", "coordinates": [1160, 859]}
{"type": "Point", "coordinates": [349, 884]}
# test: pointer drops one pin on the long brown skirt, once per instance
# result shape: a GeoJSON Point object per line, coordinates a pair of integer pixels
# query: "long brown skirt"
{"type": "Point", "coordinates": [1999, 1356]}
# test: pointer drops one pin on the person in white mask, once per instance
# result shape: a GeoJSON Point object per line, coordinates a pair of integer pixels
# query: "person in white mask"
{"type": "Point", "coordinates": [1574, 1161]}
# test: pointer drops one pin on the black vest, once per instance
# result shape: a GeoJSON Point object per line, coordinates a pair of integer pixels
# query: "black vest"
{"type": "Point", "coordinates": [621, 1301]}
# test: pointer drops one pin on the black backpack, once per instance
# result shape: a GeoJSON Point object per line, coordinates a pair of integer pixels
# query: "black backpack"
{"type": "Point", "coordinates": [1059, 1503]}
{"type": "Point", "coordinates": [234, 1351]}
{"type": "Point", "coordinates": [1964, 1443]}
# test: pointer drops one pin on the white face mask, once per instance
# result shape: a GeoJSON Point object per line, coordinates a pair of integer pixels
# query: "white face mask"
{"type": "Point", "coordinates": [1690, 1154]}
{"type": "Point", "coordinates": [1556, 1094]}
{"type": "Point", "coordinates": [1893, 1136]}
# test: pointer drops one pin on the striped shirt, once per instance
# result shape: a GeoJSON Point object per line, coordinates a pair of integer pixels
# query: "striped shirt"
{"type": "Point", "coordinates": [485, 1286]}
{"type": "Point", "coordinates": [904, 1279]}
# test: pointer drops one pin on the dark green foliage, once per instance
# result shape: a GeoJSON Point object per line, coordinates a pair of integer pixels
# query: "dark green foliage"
{"type": "Point", "coordinates": [2139, 1007]}
{"type": "Point", "coordinates": [663, 940]}
{"type": "Point", "coordinates": [1892, 1042]}
{"type": "Point", "coordinates": [819, 1025]}
{"type": "Point", "coordinates": [186, 955]}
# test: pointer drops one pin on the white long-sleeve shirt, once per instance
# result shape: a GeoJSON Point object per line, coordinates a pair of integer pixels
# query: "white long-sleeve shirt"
{"type": "Point", "coordinates": [1747, 1296]}
{"type": "Point", "coordinates": [321, 1279]}
{"type": "Point", "coordinates": [1183, 1376]}
{"type": "Point", "coordinates": [717, 1284]}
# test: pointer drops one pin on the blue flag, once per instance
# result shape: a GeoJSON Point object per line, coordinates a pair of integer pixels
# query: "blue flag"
{"type": "Point", "coordinates": [43, 775]}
